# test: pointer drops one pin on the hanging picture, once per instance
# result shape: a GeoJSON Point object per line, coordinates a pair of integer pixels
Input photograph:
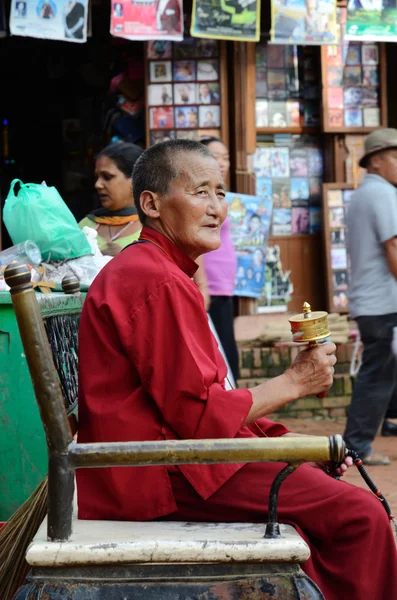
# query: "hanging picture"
{"type": "Point", "coordinates": [374, 21]}
{"type": "Point", "coordinates": [147, 19]}
{"type": "Point", "coordinates": [336, 201]}
{"type": "Point", "coordinates": [50, 19]}
{"type": "Point", "coordinates": [232, 20]}
{"type": "Point", "coordinates": [304, 22]}
{"type": "Point", "coordinates": [250, 218]}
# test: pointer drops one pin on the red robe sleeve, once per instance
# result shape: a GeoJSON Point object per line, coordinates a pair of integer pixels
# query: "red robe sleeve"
{"type": "Point", "coordinates": [180, 366]}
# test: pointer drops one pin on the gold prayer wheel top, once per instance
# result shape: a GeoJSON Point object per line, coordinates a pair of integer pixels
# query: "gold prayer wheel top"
{"type": "Point", "coordinates": [309, 326]}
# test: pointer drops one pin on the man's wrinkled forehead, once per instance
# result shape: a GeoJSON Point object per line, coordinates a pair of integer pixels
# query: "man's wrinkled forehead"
{"type": "Point", "coordinates": [194, 168]}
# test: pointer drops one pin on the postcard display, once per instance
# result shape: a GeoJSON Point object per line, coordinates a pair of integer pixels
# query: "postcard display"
{"type": "Point", "coordinates": [184, 90]}
{"type": "Point", "coordinates": [352, 97]}
{"type": "Point", "coordinates": [336, 202]}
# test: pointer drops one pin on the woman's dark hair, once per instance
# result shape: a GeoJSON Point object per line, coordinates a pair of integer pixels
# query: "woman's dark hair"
{"type": "Point", "coordinates": [209, 140]}
{"type": "Point", "coordinates": [123, 154]}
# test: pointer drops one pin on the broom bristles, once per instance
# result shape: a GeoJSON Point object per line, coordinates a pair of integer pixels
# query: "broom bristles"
{"type": "Point", "coordinates": [15, 537]}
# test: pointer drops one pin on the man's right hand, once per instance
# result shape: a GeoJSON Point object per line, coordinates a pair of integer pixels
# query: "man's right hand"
{"type": "Point", "coordinates": [312, 370]}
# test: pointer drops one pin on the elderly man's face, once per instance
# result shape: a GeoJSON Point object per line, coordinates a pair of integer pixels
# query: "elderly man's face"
{"type": "Point", "coordinates": [192, 212]}
{"type": "Point", "coordinates": [385, 164]}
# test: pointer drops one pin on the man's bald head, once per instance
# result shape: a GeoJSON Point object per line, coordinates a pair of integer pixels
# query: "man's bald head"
{"type": "Point", "coordinates": [159, 166]}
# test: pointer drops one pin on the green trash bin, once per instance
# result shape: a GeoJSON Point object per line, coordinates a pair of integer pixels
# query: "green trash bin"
{"type": "Point", "coordinates": [23, 452]}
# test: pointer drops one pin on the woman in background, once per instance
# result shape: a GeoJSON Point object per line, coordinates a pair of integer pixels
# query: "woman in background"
{"type": "Point", "coordinates": [117, 221]}
{"type": "Point", "coordinates": [220, 269]}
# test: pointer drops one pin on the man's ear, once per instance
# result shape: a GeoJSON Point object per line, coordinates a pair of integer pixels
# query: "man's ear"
{"type": "Point", "coordinates": [150, 204]}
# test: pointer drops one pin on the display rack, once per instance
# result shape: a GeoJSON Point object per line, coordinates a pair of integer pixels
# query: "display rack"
{"type": "Point", "coordinates": [336, 198]}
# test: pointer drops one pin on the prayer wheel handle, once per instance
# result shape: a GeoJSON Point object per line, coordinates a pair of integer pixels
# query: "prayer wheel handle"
{"type": "Point", "coordinates": [312, 328]}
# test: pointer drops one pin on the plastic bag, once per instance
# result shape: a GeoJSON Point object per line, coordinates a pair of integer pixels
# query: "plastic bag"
{"type": "Point", "coordinates": [38, 213]}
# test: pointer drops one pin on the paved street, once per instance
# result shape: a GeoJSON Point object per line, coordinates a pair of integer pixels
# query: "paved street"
{"type": "Point", "coordinates": [384, 477]}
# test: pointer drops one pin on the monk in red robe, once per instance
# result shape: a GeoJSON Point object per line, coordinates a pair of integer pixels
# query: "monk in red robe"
{"type": "Point", "coordinates": [150, 369]}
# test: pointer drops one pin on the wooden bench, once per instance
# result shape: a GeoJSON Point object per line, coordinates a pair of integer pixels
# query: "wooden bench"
{"type": "Point", "coordinates": [167, 560]}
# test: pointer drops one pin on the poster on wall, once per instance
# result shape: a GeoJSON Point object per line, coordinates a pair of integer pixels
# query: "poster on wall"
{"type": "Point", "coordinates": [147, 19]}
{"type": "Point", "coordinates": [62, 20]}
{"type": "Point", "coordinates": [304, 22]}
{"type": "Point", "coordinates": [226, 19]}
{"type": "Point", "coordinates": [250, 218]}
{"type": "Point", "coordinates": [374, 21]}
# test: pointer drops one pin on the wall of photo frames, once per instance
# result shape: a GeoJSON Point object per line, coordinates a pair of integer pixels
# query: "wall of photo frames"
{"type": "Point", "coordinates": [336, 203]}
{"type": "Point", "coordinates": [185, 90]}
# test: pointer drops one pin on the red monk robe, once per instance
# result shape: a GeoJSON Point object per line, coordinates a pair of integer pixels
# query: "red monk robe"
{"type": "Point", "coordinates": [150, 369]}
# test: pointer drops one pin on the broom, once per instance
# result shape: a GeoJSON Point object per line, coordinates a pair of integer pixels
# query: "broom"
{"type": "Point", "coordinates": [15, 538]}
{"type": "Point", "coordinates": [20, 529]}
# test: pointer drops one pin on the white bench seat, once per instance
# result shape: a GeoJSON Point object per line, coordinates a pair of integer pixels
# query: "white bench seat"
{"type": "Point", "coordinates": [126, 542]}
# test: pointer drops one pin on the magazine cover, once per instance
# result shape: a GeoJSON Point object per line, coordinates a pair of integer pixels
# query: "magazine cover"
{"type": "Point", "coordinates": [147, 19]}
{"type": "Point", "coordinates": [300, 220]}
{"type": "Point", "coordinates": [50, 20]}
{"type": "Point", "coordinates": [232, 20]}
{"type": "Point", "coordinates": [281, 193]}
{"type": "Point", "coordinates": [279, 161]}
{"type": "Point", "coordinates": [262, 164]}
{"type": "Point", "coordinates": [282, 221]}
{"type": "Point", "coordinates": [303, 22]}
{"type": "Point", "coordinates": [372, 21]}
{"type": "Point", "coordinates": [298, 162]}
{"type": "Point", "coordinates": [250, 218]}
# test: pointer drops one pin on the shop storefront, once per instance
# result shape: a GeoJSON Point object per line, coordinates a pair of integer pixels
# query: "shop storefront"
{"type": "Point", "coordinates": [294, 118]}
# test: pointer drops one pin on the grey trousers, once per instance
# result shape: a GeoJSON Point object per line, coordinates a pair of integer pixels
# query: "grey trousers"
{"type": "Point", "coordinates": [375, 390]}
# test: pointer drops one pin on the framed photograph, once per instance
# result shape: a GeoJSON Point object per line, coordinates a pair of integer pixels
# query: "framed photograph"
{"type": "Point", "coordinates": [300, 218]}
{"type": "Point", "coordinates": [298, 162]}
{"type": "Point", "coordinates": [335, 76]}
{"type": "Point", "coordinates": [207, 70]}
{"type": "Point", "coordinates": [279, 160]}
{"type": "Point", "coordinates": [334, 56]}
{"type": "Point", "coordinates": [336, 217]}
{"type": "Point", "coordinates": [263, 187]}
{"type": "Point", "coordinates": [353, 117]}
{"type": "Point", "coordinates": [315, 156]}
{"type": "Point", "coordinates": [277, 85]}
{"type": "Point", "coordinates": [299, 191]}
{"type": "Point", "coordinates": [262, 162]}
{"type": "Point", "coordinates": [335, 198]}
{"type": "Point", "coordinates": [293, 114]}
{"type": "Point", "coordinates": [275, 56]}
{"type": "Point", "coordinates": [335, 117]}
{"type": "Point", "coordinates": [159, 49]}
{"type": "Point", "coordinates": [185, 93]}
{"type": "Point", "coordinates": [161, 136]}
{"type": "Point", "coordinates": [209, 116]}
{"type": "Point", "coordinates": [371, 76]}
{"type": "Point", "coordinates": [336, 259]}
{"type": "Point", "coordinates": [160, 71]}
{"type": "Point", "coordinates": [315, 190]}
{"type": "Point", "coordinates": [335, 97]}
{"type": "Point", "coordinates": [311, 112]}
{"type": "Point", "coordinates": [186, 117]}
{"type": "Point", "coordinates": [338, 237]}
{"type": "Point", "coordinates": [281, 221]}
{"type": "Point", "coordinates": [371, 117]}
{"type": "Point", "coordinates": [277, 114]}
{"type": "Point", "coordinates": [190, 134]}
{"type": "Point", "coordinates": [352, 96]}
{"type": "Point", "coordinates": [370, 96]}
{"type": "Point", "coordinates": [352, 76]}
{"type": "Point", "coordinates": [261, 113]}
{"type": "Point", "coordinates": [185, 49]}
{"type": "Point", "coordinates": [207, 48]}
{"type": "Point", "coordinates": [281, 192]}
{"type": "Point", "coordinates": [184, 70]}
{"type": "Point", "coordinates": [370, 54]}
{"type": "Point", "coordinates": [261, 89]}
{"type": "Point", "coordinates": [353, 55]}
{"type": "Point", "coordinates": [160, 94]}
{"type": "Point", "coordinates": [161, 117]}
{"type": "Point", "coordinates": [208, 93]}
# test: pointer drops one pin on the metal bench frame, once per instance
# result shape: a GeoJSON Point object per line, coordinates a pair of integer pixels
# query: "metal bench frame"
{"type": "Point", "coordinates": [65, 456]}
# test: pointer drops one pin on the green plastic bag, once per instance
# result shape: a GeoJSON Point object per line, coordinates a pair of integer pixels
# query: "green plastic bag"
{"type": "Point", "coordinates": [38, 213]}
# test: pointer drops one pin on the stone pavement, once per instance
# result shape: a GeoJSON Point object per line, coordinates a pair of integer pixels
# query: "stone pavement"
{"type": "Point", "coordinates": [384, 477]}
